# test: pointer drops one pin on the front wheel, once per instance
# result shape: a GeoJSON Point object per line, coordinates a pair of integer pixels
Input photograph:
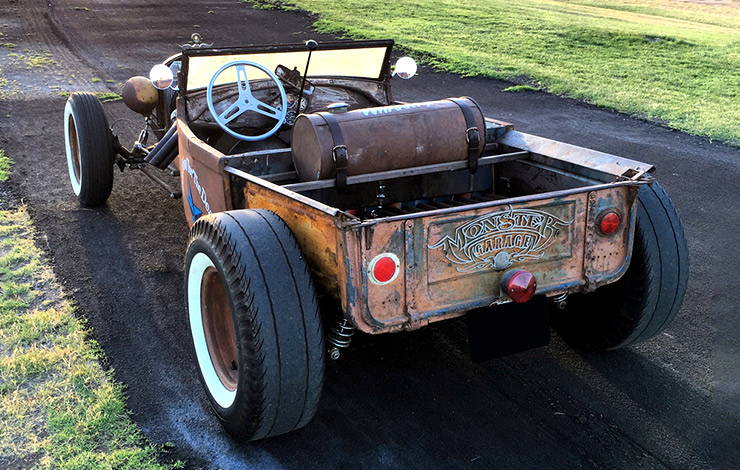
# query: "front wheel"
{"type": "Point", "coordinates": [89, 146]}
{"type": "Point", "coordinates": [646, 299]}
{"type": "Point", "coordinates": [254, 321]}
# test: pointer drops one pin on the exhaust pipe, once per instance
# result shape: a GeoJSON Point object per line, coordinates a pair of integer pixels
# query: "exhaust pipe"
{"type": "Point", "coordinates": [165, 151]}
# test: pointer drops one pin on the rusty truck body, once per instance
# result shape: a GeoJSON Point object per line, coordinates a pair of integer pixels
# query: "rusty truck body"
{"type": "Point", "coordinates": [394, 214]}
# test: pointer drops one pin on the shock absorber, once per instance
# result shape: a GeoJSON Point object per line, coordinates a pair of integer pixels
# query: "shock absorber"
{"type": "Point", "coordinates": [339, 337]}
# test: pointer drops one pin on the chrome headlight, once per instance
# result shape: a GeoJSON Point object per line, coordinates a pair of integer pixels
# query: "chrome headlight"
{"type": "Point", "coordinates": [405, 68]}
{"type": "Point", "coordinates": [161, 76]}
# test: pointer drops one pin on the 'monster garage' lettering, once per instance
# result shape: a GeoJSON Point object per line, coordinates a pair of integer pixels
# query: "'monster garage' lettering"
{"type": "Point", "coordinates": [522, 233]}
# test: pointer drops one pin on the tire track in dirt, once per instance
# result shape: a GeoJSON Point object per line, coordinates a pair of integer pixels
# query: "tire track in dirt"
{"type": "Point", "coordinates": [36, 23]}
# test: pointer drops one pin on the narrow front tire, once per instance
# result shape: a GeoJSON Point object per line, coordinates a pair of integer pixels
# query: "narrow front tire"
{"type": "Point", "coordinates": [89, 147]}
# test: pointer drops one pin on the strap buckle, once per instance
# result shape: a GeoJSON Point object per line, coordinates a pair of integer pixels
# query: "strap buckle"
{"type": "Point", "coordinates": [339, 154]}
{"type": "Point", "coordinates": [472, 136]}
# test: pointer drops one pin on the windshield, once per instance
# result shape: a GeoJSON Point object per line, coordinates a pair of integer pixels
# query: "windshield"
{"type": "Point", "coordinates": [355, 62]}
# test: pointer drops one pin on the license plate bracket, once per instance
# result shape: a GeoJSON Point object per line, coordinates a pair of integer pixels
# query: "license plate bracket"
{"type": "Point", "coordinates": [507, 329]}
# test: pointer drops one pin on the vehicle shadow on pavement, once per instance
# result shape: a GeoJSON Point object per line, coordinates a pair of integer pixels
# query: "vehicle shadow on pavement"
{"type": "Point", "coordinates": [398, 400]}
{"type": "Point", "coordinates": [136, 312]}
{"type": "Point", "coordinates": [664, 399]}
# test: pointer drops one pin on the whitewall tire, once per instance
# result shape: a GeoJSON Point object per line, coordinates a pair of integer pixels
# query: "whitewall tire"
{"type": "Point", "coordinates": [88, 143]}
{"type": "Point", "coordinates": [254, 321]}
{"type": "Point", "coordinates": [223, 395]}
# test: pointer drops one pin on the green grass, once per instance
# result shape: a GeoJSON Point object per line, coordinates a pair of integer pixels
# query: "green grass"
{"type": "Point", "coordinates": [103, 96]}
{"type": "Point", "coordinates": [270, 5]}
{"type": "Point", "coordinates": [520, 88]}
{"type": "Point", "coordinates": [33, 60]}
{"type": "Point", "coordinates": [58, 408]}
{"type": "Point", "coordinates": [4, 82]}
{"type": "Point", "coordinates": [673, 62]}
{"type": "Point", "coordinates": [5, 164]}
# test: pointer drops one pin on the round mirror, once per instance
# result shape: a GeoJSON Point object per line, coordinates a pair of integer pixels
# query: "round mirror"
{"type": "Point", "coordinates": [405, 68]}
{"type": "Point", "coordinates": [175, 68]}
{"type": "Point", "coordinates": [161, 76]}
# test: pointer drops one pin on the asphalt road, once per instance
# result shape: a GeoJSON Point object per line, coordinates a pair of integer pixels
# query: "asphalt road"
{"type": "Point", "coordinates": [410, 400]}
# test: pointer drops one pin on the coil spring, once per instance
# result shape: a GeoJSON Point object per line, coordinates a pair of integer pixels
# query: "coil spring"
{"type": "Point", "coordinates": [339, 337]}
{"type": "Point", "coordinates": [560, 300]}
{"type": "Point", "coordinates": [559, 297]}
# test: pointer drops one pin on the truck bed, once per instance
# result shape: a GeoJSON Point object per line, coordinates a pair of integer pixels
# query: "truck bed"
{"type": "Point", "coordinates": [533, 198]}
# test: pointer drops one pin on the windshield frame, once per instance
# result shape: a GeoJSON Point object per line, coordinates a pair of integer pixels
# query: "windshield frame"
{"type": "Point", "coordinates": [385, 70]}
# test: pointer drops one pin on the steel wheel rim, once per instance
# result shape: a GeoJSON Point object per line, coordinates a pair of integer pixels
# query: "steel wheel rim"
{"type": "Point", "coordinates": [218, 325]}
{"type": "Point", "coordinates": [72, 147]}
{"type": "Point", "coordinates": [219, 392]}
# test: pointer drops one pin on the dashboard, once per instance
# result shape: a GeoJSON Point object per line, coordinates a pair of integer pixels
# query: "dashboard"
{"type": "Point", "coordinates": [318, 94]}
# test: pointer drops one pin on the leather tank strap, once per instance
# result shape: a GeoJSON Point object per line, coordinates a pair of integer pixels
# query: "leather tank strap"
{"type": "Point", "coordinates": [339, 151]}
{"type": "Point", "coordinates": [472, 134]}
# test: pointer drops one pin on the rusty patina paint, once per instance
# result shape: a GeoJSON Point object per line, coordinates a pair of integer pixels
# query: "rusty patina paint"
{"type": "Point", "coordinates": [450, 262]}
{"type": "Point", "coordinates": [446, 270]}
{"type": "Point", "coordinates": [139, 95]}
{"type": "Point", "coordinates": [413, 135]}
{"type": "Point", "coordinates": [316, 232]}
{"type": "Point", "coordinates": [584, 158]}
{"type": "Point", "coordinates": [606, 258]}
{"type": "Point", "coordinates": [547, 237]}
{"type": "Point", "coordinates": [377, 306]}
{"type": "Point", "coordinates": [205, 188]}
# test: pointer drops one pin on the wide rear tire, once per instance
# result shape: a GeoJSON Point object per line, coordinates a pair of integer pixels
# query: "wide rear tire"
{"type": "Point", "coordinates": [646, 299]}
{"type": "Point", "coordinates": [255, 324]}
{"type": "Point", "coordinates": [89, 148]}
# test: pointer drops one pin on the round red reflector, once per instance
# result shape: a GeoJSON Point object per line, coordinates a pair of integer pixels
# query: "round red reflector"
{"type": "Point", "coordinates": [609, 223]}
{"type": "Point", "coordinates": [519, 285]}
{"type": "Point", "coordinates": [384, 268]}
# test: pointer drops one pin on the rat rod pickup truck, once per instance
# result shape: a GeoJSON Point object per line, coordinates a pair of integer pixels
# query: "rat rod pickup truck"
{"type": "Point", "coordinates": [305, 185]}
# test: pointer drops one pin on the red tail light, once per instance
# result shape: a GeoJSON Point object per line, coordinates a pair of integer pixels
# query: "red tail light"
{"type": "Point", "coordinates": [609, 222]}
{"type": "Point", "coordinates": [384, 268]}
{"type": "Point", "coordinates": [519, 285]}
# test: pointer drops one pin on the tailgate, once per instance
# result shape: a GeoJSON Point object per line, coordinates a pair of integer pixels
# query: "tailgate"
{"type": "Point", "coordinates": [454, 261]}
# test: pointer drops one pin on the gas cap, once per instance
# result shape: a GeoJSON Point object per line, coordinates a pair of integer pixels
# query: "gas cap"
{"type": "Point", "coordinates": [336, 108]}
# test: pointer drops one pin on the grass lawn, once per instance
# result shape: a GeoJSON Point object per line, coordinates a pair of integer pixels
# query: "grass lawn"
{"type": "Point", "coordinates": [673, 61]}
{"type": "Point", "coordinates": [103, 96]}
{"type": "Point", "coordinates": [58, 408]}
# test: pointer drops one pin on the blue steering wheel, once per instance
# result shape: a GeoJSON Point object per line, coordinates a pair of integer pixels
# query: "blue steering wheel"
{"type": "Point", "coordinates": [246, 100]}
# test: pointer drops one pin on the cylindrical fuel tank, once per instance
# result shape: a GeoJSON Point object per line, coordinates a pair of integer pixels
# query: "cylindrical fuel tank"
{"type": "Point", "coordinates": [387, 137]}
